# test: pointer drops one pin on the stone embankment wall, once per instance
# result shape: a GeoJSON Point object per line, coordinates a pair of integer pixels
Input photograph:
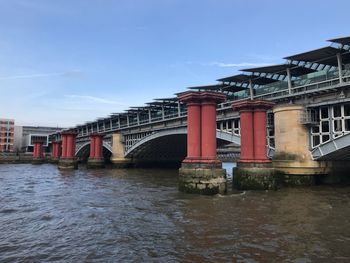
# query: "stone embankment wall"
{"type": "Point", "coordinates": [6, 158]}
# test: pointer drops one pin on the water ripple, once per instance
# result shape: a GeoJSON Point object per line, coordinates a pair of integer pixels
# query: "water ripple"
{"type": "Point", "coordinates": [139, 216]}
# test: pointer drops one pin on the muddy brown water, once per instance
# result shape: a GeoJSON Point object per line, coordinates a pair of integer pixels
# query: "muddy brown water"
{"type": "Point", "coordinates": [138, 215]}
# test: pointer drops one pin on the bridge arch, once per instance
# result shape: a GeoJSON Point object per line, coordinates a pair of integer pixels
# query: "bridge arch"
{"type": "Point", "coordinates": [83, 150]}
{"type": "Point", "coordinates": [336, 149]}
{"type": "Point", "coordinates": [171, 144]}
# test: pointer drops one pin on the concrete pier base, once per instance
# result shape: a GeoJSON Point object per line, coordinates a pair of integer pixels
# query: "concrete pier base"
{"type": "Point", "coordinates": [36, 161]}
{"type": "Point", "coordinates": [68, 163]}
{"type": "Point", "coordinates": [54, 160]}
{"type": "Point", "coordinates": [95, 163]}
{"type": "Point", "coordinates": [297, 180]}
{"type": "Point", "coordinates": [121, 163]}
{"type": "Point", "coordinates": [201, 178]}
{"type": "Point", "coordinates": [255, 176]}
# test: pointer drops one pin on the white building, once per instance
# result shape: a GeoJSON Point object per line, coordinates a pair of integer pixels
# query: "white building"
{"type": "Point", "coordinates": [26, 135]}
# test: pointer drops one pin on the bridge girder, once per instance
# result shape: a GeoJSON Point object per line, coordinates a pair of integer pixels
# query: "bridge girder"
{"type": "Point", "coordinates": [337, 149]}
{"type": "Point", "coordinates": [83, 149]}
{"type": "Point", "coordinates": [171, 144]}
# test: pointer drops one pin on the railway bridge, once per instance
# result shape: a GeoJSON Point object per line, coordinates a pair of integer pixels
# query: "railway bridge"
{"type": "Point", "coordinates": [305, 130]}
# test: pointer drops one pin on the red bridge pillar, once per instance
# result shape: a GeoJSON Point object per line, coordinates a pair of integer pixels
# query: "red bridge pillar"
{"type": "Point", "coordinates": [96, 151]}
{"type": "Point", "coordinates": [201, 172]}
{"type": "Point", "coordinates": [68, 160]}
{"type": "Point", "coordinates": [55, 151]}
{"type": "Point", "coordinates": [253, 146]}
{"type": "Point", "coordinates": [193, 129]}
{"type": "Point", "coordinates": [38, 152]}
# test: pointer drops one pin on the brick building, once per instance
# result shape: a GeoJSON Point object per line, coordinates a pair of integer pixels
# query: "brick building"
{"type": "Point", "coordinates": [7, 127]}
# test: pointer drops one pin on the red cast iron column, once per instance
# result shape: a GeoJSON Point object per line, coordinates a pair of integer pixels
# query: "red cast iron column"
{"type": "Point", "coordinates": [68, 145]}
{"type": "Point", "coordinates": [92, 146]}
{"type": "Point", "coordinates": [208, 124]}
{"type": "Point", "coordinates": [253, 130]}
{"type": "Point", "coordinates": [64, 145]}
{"type": "Point", "coordinates": [245, 109]}
{"type": "Point", "coordinates": [68, 160]}
{"type": "Point", "coordinates": [40, 149]}
{"type": "Point", "coordinates": [260, 145]}
{"type": "Point", "coordinates": [192, 101]}
{"type": "Point", "coordinates": [59, 149]}
{"type": "Point", "coordinates": [98, 146]}
{"type": "Point", "coordinates": [73, 135]}
{"type": "Point", "coordinates": [37, 150]}
{"type": "Point", "coordinates": [54, 150]}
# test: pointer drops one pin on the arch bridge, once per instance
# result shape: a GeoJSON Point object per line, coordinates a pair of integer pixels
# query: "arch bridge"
{"type": "Point", "coordinates": [318, 80]}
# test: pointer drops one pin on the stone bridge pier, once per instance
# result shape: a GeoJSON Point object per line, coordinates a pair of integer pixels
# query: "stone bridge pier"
{"type": "Point", "coordinates": [292, 163]}
{"type": "Point", "coordinates": [201, 172]}
{"type": "Point", "coordinates": [293, 159]}
{"type": "Point", "coordinates": [292, 156]}
{"type": "Point", "coordinates": [118, 158]}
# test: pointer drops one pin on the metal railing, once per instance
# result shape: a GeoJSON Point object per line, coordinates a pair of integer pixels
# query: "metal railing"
{"type": "Point", "coordinates": [312, 86]}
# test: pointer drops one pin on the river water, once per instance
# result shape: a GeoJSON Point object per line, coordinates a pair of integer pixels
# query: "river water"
{"type": "Point", "coordinates": [48, 215]}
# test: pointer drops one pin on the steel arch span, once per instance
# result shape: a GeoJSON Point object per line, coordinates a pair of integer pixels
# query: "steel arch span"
{"type": "Point", "coordinates": [171, 144]}
{"type": "Point", "coordinates": [83, 149]}
{"type": "Point", "coordinates": [336, 149]}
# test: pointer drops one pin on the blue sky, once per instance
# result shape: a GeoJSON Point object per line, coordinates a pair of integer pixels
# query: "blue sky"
{"type": "Point", "coordinates": [66, 62]}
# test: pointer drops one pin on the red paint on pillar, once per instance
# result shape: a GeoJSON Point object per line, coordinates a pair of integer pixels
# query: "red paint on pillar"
{"type": "Point", "coordinates": [74, 135]}
{"type": "Point", "coordinates": [100, 146]}
{"type": "Point", "coordinates": [64, 146]}
{"type": "Point", "coordinates": [201, 125]}
{"type": "Point", "coordinates": [92, 147]}
{"type": "Point", "coordinates": [253, 130]}
{"type": "Point", "coordinates": [40, 149]}
{"type": "Point", "coordinates": [260, 149]}
{"type": "Point", "coordinates": [193, 130]}
{"type": "Point", "coordinates": [59, 149]}
{"type": "Point", "coordinates": [37, 153]}
{"type": "Point", "coordinates": [247, 136]}
{"type": "Point", "coordinates": [96, 147]}
{"type": "Point", "coordinates": [54, 152]}
{"type": "Point", "coordinates": [34, 150]}
{"type": "Point", "coordinates": [208, 130]}
{"type": "Point", "coordinates": [68, 145]}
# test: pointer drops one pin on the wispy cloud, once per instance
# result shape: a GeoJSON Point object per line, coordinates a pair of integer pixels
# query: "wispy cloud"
{"type": "Point", "coordinates": [42, 75]}
{"type": "Point", "coordinates": [93, 99]}
{"type": "Point", "coordinates": [233, 65]}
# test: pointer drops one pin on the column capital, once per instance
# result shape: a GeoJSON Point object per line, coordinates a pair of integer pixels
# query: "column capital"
{"type": "Point", "coordinates": [252, 105]}
{"type": "Point", "coordinates": [189, 97]}
{"type": "Point", "coordinates": [263, 105]}
{"type": "Point", "coordinates": [69, 133]}
{"type": "Point", "coordinates": [212, 97]}
{"type": "Point", "coordinates": [201, 97]}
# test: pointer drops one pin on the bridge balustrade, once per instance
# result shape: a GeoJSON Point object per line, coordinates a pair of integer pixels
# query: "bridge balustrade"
{"type": "Point", "coordinates": [328, 80]}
